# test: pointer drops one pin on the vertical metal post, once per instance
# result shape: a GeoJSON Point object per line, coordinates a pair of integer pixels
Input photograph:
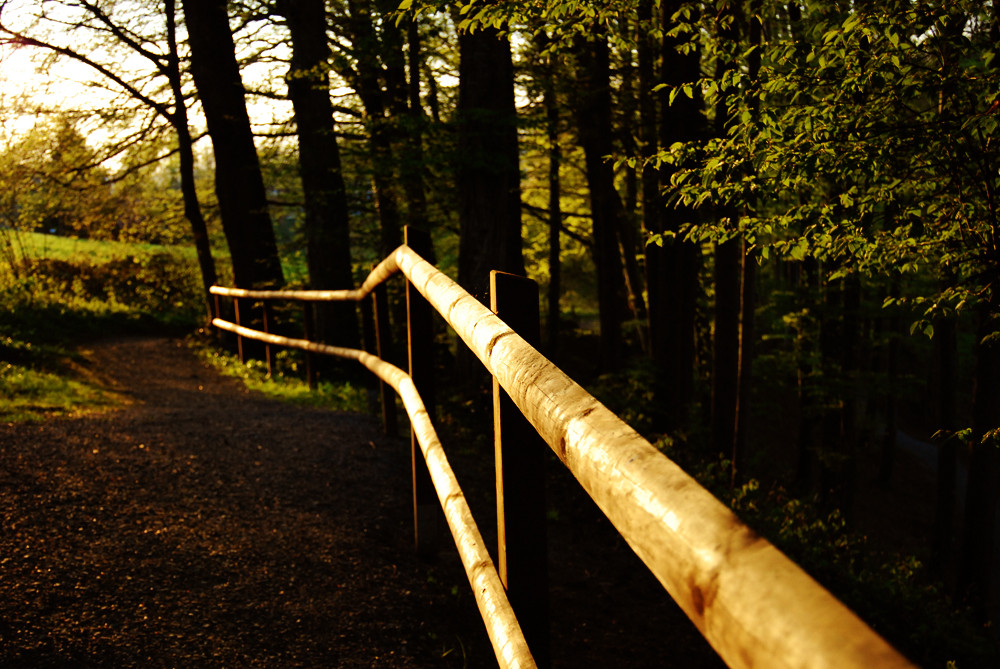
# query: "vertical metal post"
{"type": "Point", "coordinates": [239, 339]}
{"type": "Point", "coordinates": [309, 328]}
{"type": "Point", "coordinates": [420, 343]}
{"type": "Point", "coordinates": [520, 479]}
{"type": "Point", "coordinates": [268, 319]}
{"type": "Point", "coordinates": [383, 349]}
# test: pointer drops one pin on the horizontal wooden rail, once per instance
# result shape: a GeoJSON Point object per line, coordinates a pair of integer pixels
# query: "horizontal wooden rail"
{"type": "Point", "coordinates": [501, 624]}
{"type": "Point", "coordinates": [753, 605]}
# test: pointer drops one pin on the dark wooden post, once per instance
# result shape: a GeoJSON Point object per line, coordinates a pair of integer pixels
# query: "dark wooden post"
{"type": "Point", "coordinates": [267, 319]}
{"type": "Point", "coordinates": [383, 349]}
{"type": "Point", "coordinates": [420, 343]}
{"type": "Point", "coordinates": [520, 473]}
{"type": "Point", "coordinates": [309, 329]}
{"type": "Point", "coordinates": [239, 339]}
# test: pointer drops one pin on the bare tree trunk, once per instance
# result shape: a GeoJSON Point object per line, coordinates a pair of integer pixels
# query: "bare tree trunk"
{"type": "Point", "coordinates": [412, 170]}
{"type": "Point", "coordinates": [593, 112]}
{"type": "Point", "coordinates": [238, 182]}
{"type": "Point", "coordinates": [555, 207]}
{"type": "Point", "coordinates": [327, 231]}
{"type": "Point", "coordinates": [185, 149]}
{"type": "Point", "coordinates": [672, 267]}
{"type": "Point", "coordinates": [369, 75]}
{"type": "Point", "coordinates": [945, 334]}
{"type": "Point", "coordinates": [488, 175]}
{"type": "Point", "coordinates": [976, 575]}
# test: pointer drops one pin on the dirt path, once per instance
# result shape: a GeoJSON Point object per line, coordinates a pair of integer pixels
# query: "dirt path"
{"type": "Point", "coordinates": [200, 525]}
{"type": "Point", "coordinates": [203, 526]}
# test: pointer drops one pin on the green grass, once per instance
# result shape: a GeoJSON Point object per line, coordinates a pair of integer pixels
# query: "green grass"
{"type": "Point", "coordinates": [56, 292]}
{"type": "Point", "coordinates": [28, 245]}
{"type": "Point", "coordinates": [287, 384]}
{"type": "Point", "coordinates": [28, 394]}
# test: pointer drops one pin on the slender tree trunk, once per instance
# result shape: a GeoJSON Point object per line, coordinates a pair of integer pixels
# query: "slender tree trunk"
{"type": "Point", "coordinates": [725, 346]}
{"type": "Point", "coordinates": [728, 260]}
{"type": "Point", "coordinates": [488, 174]}
{"type": "Point", "coordinates": [412, 170]}
{"type": "Point", "coordinates": [238, 182]}
{"type": "Point", "coordinates": [672, 267]}
{"type": "Point", "coordinates": [185, 150]}
{"type": "Point", "coordinates": [976, 575]}
{"type": "Point", "coordinates": [808, 287]}
{"type": "Point", "coordinates": [327, 230]}
{"type": "Point", "coordinates": [627, 229]}
{"type": "Point", "coordinates": [945, 334]}
{"type": "Point", "coordinates": [748, 302]}
{"type": "Point", "coordinates": [748, 282]}
{"type": "Point", "coordinates": [554, 293]}
{"type": "Point", "coordinates": [368, 84]}
{"type": "Point", "coordinates": [593, 112]}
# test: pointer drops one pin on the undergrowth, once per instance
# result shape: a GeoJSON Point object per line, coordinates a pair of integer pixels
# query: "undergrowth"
{"type": "Point", "coordinates": [50, 305]}
{"type": "Point", "coordinates": [287, 383]}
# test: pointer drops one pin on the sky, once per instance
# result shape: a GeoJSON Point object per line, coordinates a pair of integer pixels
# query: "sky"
{"type": "Point", "coordinates": [29, 83]}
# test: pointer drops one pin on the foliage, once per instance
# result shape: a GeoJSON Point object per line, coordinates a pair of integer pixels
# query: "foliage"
{"type": "Point", "coordinates": [893, 592]}
{"type": "Point", "coordinates": [52, 182]}
{"type": "Point", "coordinates": [288, 383]}
{"type": "Point", "coordinates": [867, 142]}
{"type": "Point", "coordinates": [52, 304]}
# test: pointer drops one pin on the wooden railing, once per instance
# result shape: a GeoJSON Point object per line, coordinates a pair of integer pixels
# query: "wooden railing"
{"type": "Point", "coordinates": [753, 605]}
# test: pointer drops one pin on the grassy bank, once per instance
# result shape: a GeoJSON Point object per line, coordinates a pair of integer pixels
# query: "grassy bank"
{"type": "Point", "coordinates": [56, 292]}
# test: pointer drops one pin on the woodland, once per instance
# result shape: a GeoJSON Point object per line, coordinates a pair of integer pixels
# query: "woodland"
{"type": "Point", "coordinates": [765, 233]}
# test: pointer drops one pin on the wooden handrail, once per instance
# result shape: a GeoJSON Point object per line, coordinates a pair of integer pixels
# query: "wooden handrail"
{"type": "Point", "coordinates": [501, 624]}
{"type": "Point", "coordinates": [753, 604]}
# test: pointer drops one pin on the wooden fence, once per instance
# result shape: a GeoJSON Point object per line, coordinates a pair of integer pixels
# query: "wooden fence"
{"type": "Point", "coordinates": [753, 605]}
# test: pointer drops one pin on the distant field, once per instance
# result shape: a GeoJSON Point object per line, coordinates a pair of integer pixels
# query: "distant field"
{"type": "Point", "coordinates": [38, 245]}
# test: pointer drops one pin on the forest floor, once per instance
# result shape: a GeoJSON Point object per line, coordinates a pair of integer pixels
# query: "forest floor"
{"type": "Point", "coordinates": [198, 524]}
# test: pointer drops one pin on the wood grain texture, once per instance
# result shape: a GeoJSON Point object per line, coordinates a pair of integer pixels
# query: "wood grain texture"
{"type": "Point", "coordinates": [754, 605]}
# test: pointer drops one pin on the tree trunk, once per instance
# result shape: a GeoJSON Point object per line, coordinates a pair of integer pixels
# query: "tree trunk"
{"type": "Point", "coordinates": [728, 261]}
{"type": "Point", "coordinates": [555, 207]}
{"type": "Point", "coordinates": [748, 302]}
{"type": "Point", "coordinates": [327, 231]}
{"type": "Point", "coordinates": [238, 182]}
{"type": "Point", "coordinates": [368, 84]}
{"type": "Point", "coordinates": [672, 268]}
{"type": "Point", "coordinates": [412, 168]}
{"type": "Point", "coordinates": [185, 150]}
{"type": "Point", "coordinates": [487, 162]}
{"type": "Point", "coordinates": [593, 115]}
{"type": "Point", "coordinates": [627, 230]}
{"type": "Point", "coordinates": [944, 508]}
{"type": "Point", "coordinates": [725, 346]}
{"type": "Point", "coordinates": [976, 570]}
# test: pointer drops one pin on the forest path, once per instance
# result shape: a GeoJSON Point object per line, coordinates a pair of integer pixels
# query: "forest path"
{"type": "Point", "coordinates": [203, 525]}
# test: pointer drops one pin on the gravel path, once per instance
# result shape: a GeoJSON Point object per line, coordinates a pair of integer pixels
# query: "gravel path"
{"type": "Point", "coordinates": [203, 526]}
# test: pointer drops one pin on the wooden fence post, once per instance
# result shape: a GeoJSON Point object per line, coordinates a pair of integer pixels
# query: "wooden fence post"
{"type": "Point", "coordinates": [520, 478]}
{"type": "Point", "coordinates": [420, 354]}
{"type": "Point", "coordinates": [239, 339]}
{"type": "Point", "coordinates": [268, 318]}
{"type": "Point", "coordinates": [383, 349]}
{"type": "Point", "coordinates": [309, 329]}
